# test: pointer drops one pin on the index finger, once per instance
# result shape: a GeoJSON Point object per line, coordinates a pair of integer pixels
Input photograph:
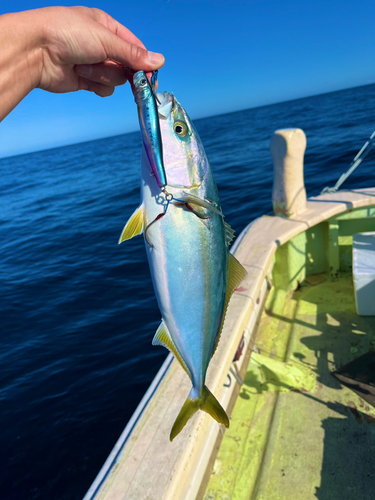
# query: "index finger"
{"type": "Point", "coordinates": [117, 28]}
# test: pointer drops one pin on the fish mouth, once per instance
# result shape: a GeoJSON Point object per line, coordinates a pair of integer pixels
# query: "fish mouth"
{"type": "Point", "coordinates": [165, 102]}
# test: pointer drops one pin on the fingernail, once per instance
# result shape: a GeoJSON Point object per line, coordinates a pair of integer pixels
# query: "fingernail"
{"type": "Point", "coordinates": [155, 58]}
{"type": "Point", "coordinates": [84, 69]}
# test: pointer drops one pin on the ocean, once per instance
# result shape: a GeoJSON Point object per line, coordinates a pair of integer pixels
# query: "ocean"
{"type": "Point", "coordinates": [78, 312]}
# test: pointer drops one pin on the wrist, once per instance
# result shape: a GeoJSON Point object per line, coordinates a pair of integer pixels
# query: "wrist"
{"type": "Point", "coordinates": [20, 58]}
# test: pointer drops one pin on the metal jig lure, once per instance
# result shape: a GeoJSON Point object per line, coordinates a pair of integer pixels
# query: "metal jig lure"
{"type": "Point", "coordinates": [149, 124]}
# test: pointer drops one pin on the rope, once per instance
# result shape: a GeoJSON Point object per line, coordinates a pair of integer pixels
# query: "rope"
{"type": "Point", "coordinates": [360, 156]}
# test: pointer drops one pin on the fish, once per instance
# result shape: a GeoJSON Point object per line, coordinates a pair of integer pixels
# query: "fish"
{"type": "Point", "coordinates": [149, 125]}
{"type": "Point", "coordinates": [187, 245]}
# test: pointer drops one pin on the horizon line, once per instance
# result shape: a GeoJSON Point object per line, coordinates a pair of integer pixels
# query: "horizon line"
{"type": "Point", "coordinates": [195, 119]}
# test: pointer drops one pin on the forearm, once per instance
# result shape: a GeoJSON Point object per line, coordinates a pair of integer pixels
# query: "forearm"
{"type": "Point", "coordinates": [20, 59]}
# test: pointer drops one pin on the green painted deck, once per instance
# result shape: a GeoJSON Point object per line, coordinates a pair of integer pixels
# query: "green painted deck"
{"type": "Point", "coordinates": [296, 432]}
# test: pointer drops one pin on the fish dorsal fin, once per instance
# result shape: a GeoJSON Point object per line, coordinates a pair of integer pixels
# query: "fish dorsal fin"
{"type": "Point", "coordinates": [236, 274]}
{"type": "Point", "coordinates": [134, 226]}
{"type": "Point", "coordinates": [163, 337]}
{"type": "Point", "coordinates": [229, 234]}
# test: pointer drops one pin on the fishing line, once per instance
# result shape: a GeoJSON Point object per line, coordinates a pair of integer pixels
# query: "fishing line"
{"type": "Point", "coordinates": [359, 157]}
{"type": "Point", "coordinates": [156, 17]}
{"type": "Point", "coordinates": [142, 33]}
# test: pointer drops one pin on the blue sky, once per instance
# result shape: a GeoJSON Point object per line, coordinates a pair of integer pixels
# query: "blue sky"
{"type": "Point", "coordinates": [220, 57]}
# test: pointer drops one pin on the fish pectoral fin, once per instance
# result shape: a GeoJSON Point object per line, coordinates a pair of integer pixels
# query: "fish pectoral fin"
{"type": "Point", "coordinates": [134, 226]}
{"type": "Point", "coordinates": [236, 274]}
{"type": "Point", "coordinates": [206, 402]}
{"type": "Point", "coordinates": [163, 337]}
{"type": "Point", "coordinates": [195, 200]}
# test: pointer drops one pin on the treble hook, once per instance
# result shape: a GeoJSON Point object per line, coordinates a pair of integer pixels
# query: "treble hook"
{"type": "Point", "coordinates": [169, 197]}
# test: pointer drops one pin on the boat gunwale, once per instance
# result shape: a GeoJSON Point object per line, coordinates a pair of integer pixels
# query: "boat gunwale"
{"type": "Point", "coordinates": [255, 248]}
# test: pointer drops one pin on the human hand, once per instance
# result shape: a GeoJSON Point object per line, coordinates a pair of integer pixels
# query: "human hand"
{"type": "Point", "coordinates": [79, 47]}
{"type": "Point", "coordinates": [65, 49]}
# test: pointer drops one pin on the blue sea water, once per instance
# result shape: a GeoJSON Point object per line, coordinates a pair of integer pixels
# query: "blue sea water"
{"type": "Point", "coordinates": [77, 311]}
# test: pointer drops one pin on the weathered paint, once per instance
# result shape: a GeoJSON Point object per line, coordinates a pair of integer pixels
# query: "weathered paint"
{"type": "Point", "coordinates": [317, 249]}
{"type": "Point", "coordinates": [326, 247]}
{"type": "Point", "coordinates": [352, 226]}
{"type": "Point", "coordinates": [282, 376]}
{"type": "Point", "coordinates": [334, 251]}
{"type": "Point", "coordinates": [357, 213]}
{"type": "Point", "coordinates": [289, 270]}
{"type": "Point", "coordinates": [292, 444]}
{"type": "Point", "coordinates": [346, 252]}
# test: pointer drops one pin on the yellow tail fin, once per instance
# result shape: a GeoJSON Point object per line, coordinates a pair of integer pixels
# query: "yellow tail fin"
{"type": "Point", "coordinates": [206, 402]}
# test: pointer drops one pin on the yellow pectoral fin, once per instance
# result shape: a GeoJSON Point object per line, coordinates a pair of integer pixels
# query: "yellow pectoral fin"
{"type": "Point", "coordinates": [134, 226]}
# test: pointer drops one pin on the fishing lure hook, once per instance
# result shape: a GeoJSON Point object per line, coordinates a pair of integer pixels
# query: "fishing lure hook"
{"type": "Point", "coordinates": [169, 198]}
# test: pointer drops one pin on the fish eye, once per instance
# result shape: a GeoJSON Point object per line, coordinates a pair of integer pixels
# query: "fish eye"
{"type": "Point", "coordinates": [143, 81]}
{"type": "Point", "coordinates": [180, 128]}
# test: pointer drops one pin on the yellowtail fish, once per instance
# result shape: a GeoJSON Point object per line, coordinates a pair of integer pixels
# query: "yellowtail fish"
{"type": "Point", "coordinates": [187, 245]}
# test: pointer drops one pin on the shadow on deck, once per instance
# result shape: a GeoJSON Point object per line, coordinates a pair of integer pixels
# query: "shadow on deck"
{"type": "Point", "coordinates": [296, 432]}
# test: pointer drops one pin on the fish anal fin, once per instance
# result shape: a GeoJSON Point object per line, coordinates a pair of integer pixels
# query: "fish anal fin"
{"type": "Point", "coordinates": [236, 274]}
{"type": "Point", "coordinates": [134, 226]}
{"type": "Point", "coordinates": [206, 402]}
{"type": "Point", "coordinates": [163, 337]}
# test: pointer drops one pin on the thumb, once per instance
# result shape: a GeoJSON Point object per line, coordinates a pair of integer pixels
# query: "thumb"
{"type": "Point", "coordinates": [130, 54]}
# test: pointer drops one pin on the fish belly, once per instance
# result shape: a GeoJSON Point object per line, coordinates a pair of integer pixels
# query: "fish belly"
{"type": "Point", "coordinates": [188, 266]}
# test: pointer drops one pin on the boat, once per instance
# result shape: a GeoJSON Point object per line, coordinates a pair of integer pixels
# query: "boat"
{"type": "Point", "coordinates": [296, 431]}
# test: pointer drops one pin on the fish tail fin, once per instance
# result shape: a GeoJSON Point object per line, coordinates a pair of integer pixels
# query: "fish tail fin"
{"type": "Point", "coordinates": [206, 402]}
{"type": "Point", "coordinates": [212, 406]}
